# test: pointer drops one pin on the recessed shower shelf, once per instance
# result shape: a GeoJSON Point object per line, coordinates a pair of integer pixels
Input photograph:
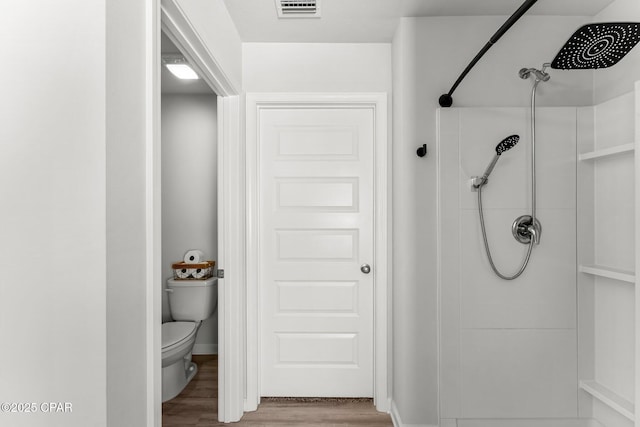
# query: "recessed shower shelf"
{"type": "Point", "coordinates": [609, 398]}
{"type": "Point", "coordinates": [625, 148]}
{"type": "Point", "coordinates": [611, 273]}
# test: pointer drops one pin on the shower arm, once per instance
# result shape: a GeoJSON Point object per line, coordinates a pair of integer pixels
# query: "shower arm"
{"type": "Point", "coordinates": [446, 100]}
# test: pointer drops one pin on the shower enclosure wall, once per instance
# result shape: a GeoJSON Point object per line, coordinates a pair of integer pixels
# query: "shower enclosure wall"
{"type": "Point", "coordinates": [555, 347]}
{"type": "Point", "coordinates": [508, 348]}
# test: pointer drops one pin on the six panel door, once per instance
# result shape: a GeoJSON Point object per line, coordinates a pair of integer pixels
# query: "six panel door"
{"type": "Point", "coordinates": [316, 231]}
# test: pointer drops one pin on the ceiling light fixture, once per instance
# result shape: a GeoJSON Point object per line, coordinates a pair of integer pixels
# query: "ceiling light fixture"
{"type": "Point", "coordinates": [179, 67]}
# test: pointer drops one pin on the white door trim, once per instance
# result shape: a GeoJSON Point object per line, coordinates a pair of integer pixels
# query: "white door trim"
{"type": "Point", "coordinates": [231, 378]}
{"type": "Point", "coordinates": [178, 27]}
{"type": "Point", "coordinates": [382, 234]}
{"type": "Point", "coordinates": [153, 209]}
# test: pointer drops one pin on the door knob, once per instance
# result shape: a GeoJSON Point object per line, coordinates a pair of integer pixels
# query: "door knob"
{"type": "Point", "coordinates": [365, 268]}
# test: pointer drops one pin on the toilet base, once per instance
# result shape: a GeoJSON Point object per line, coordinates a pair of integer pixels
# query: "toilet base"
{"type": "Point", "coordinates": [175, 378]}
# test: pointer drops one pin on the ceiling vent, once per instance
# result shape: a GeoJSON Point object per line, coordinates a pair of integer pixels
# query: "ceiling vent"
{"type": "Point", "coordinates": [298, 8]}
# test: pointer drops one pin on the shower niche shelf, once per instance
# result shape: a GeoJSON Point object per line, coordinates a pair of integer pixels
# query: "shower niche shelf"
{"type": "Point", "coordinates": [605, 152]}
{"type": "Point", "coordinates": [608, 203]}
{"type": "Point", "coordinates": [608, 272]}
{"type": "Point", "coordinates": [609, 398]}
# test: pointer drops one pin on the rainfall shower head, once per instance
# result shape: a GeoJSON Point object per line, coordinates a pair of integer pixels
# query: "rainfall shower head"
{"type": "Point", "coordinates": [598, 45]}
{"type": "Point", "coordinates": [505, 145]}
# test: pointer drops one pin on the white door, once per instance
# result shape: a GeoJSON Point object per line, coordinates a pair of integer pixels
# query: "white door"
{"type": "Point", "coordinates": [316, 231]}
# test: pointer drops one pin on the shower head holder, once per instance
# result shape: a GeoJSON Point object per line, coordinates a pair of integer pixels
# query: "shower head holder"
{"type": "Point", "coordinates": [539, 75]}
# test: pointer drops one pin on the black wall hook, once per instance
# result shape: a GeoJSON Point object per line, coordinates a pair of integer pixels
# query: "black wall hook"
{"type": "Point", "coordinates": [422, 151]}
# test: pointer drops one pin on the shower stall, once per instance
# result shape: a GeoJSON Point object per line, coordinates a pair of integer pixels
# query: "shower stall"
{"type": "Point", "coordinates": [554, 343]}
{"type": "Point", "coordinates": [554, 348]}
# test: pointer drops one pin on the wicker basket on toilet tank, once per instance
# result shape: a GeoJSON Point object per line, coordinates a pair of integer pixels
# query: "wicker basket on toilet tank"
{"type": "Point", "coordinates": [193, 271]}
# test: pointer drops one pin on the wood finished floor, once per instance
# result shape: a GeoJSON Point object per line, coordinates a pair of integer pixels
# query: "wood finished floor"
{"type": "Point", "coordinates": [197, 406]}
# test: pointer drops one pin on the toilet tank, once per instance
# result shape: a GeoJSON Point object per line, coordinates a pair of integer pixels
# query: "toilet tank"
{"type": "Point", "coordinates": [192, 300]}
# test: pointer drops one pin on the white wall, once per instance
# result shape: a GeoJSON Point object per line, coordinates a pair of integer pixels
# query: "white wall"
{"type": "Point", "coordinates": [316, 67]}
{"type": "Point", "coordinates": [446, 45]}
{"type": "Point", "coordinates": [428, 55]}
{"type": "Point", "coordinates": [52, 186]}
{"type": "Point", "coordinates": [189, 190]}
{"type": "Point", "coordinates": [415, 361]}
{"type": "Point", "coordinates": [619, 79]}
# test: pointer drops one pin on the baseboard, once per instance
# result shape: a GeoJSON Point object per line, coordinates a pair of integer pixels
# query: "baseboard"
{"type": "Point", "coordinates": [528, 423]}
{"type": "Point", "coordinates": [205, 349]}
{"type": "Point", "coordinates": [397, 420]}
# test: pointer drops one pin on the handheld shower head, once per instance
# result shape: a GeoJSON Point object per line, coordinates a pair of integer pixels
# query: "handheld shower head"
{"type": "Point", "coordinates": [505, 145]}
{"type": "Point", "coordinates": [598, 45]}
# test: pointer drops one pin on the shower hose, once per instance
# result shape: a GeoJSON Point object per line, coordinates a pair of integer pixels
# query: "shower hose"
{"type": "Point", "coordinates": [486, 245]}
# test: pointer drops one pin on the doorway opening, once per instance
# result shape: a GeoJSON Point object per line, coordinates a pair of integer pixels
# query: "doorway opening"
{"type": "Point", "coordinates": [178, 28]}
{"type": "Point", "coordinates": [189, 221]}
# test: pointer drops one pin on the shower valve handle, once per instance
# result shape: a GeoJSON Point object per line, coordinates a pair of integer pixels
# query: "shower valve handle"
{"type": "Point", "coordinates": [525, 232]}
{"type": "Point", "coordinates": [533, 231]}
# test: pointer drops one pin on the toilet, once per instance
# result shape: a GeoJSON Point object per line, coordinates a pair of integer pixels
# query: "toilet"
{"type": "Point", "coordinates": [190, 302]}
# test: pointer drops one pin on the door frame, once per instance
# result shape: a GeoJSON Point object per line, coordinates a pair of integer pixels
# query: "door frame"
{"type": "Point", "coordinates": [255, 102]}
{"type": "Point", "coordinates": [176, 24]}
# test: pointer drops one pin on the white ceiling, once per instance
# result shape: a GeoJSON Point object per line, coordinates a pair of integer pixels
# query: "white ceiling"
{"type": "Point", "coordinates": [375, 21]}
{"type": "Point", "coordinates": [500, 7]}
{"type": "Point", "coordinates": [358, 21]}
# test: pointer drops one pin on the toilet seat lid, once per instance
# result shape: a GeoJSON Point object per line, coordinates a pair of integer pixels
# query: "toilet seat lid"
{"type": "Point", "coordinates": [174, 332]}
